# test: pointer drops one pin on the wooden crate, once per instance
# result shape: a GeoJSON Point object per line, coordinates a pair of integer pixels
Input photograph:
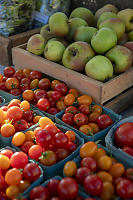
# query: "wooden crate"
{"type": "Point", "coordinates": [6, 45]}
{"type": "Point", "coordinates": [101, 92]}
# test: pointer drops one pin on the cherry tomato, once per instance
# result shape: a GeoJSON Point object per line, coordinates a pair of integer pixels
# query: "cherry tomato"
{"type": "Point", "coordinates": [34, 84]}
{"type": "Point", "coordinates": [40, 94]}
{"type": "Point", "coordinates": [105, 162]}
{"type": "Point", "coordinates": [18, 75]}
{"type": "Point", "coordinates": [93, 185]}
{"type": "Point", "coordinates": [61, 87]}
{"type": "Point", "coordinates": [88, 149]}
{"type": "Point", "coordinates": [31, 172]}
{"type": "Point", "coordinates": [12, 191]}
{"type": "Point", "coordinates": [117, 170]}
{"type": "Point", "coordinates": [26, 146]}
{"type": "Point", "coordinates": [28, 115]}
{"type": "Point", "coordinates": [43, 138]}
{"type": "Point", "coordinates": [35, 152]}
{"type": "Point", "coordinates": [35, 75]}
{"type": "Point", "coordinates": [105, 176]}
{"type": "Point", "coordinates": [104, 121]}
{"type": "Point", "coordinates": [20, 125]}
{"type": "Point", "coordinates": [19, 160]}
{"type": "Point", "coordinates": [68, 118]}
{"type": "Point", "coordinates": [51, 129]}
{"type": "Point", "coordinates": [68, 188]}
{"type": "Point", "coordinates": [86, 129]}
{"type": "Point", "coordinates": [7, 152]}
{"type": "Point", "coordinates": [24, 87]}
{"type": "Point", "coordinates": [56, 95]}
{"type": "Point", "coordinates": [71, 135]}
{"type": "Point", "coordinates": [93, 117]}
{"type": "Point", "coordinates": [52, 111]}
{"type": "Point", "coordinates": [26, 81]}
{"type": "Point", "coordinates": [94, 127]}
{"type": "Point", "coordinates": [26, 73]}
{"type": "Point", "coordinates": [69, 99]}
{"type": "Point", "coordinates": [9, 71]}
{"type": "Point", "coordinates": [13, 176]}
{"type": "Point", "coordinates": [74, 92]}
{"type": "Point", "coordinates": [81, 174]}
{"type": "Point", "coordinates": [3, 87]}
{"type": "Point", "coordinates": [60, 140]}
{"type": "Point", "coordinates": [71, 147]}
{"type": "Point", "coordinates": [70, 168]}
{"type": "Point", "coordinates": [12, 83]}
{"type": "Point", "coordinates": [28, 95]}
{"type": "Point", "coordinates": [1, 78]}
{"type": "Point", "coordinates": [14, 113]}
{"type": "Point", "coordinates": [4, 162]}
{"type": "Point", "coordinates": [89, 163]}
{"type": "Point", "coordinates": [44, 84]}
{"type": "Point", "coordinates": [53, 83]}
{"type": "Point", "coordinates": [15, 92]}
{"type": "Point", "coordinates": [39, 192]}
{"type": "Point", "coordinates": [60, 105]}
{"type": "Point", "coordinates": [61, 154]}
{"type": "Point", "coordinates": [125, 189]}
{"type": "Point", "coordinates": [85, 109]}
{"type": "Point", "coordinates": [129, 174]}
{"type": "Point", "coordinates": [97, 108]}
{"type": "Point", "coordinates": [48, 158]}
{"type": "Point", "coordinates": [79, 119]}
{"type": "Point", "coordinates": [53, 186]}
{"type": "Point", "coordinates": [84, 99]}
{"type": "Point", "coordinates": [43, 104]}
{"type": "Point", "coordinates": [52, 102]}
{"type": "Point", "coordinates": [72, 110]}
{"type": "Point", "coordinates": [108, 191]}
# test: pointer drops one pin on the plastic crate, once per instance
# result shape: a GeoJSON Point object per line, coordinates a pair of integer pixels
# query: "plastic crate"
{"type": "Point", "coordinates": [35, 183]}
{"type": "Point", "coordinates": [56, 169]}
{"type": "Point", "coordinates": [8, 97]}
{"type": "Point", "coordinates": [98, 136]}
{"type": "Point", "coordinates": [126, 159]}
{"type": "Point", "coordinates": [2, 101]}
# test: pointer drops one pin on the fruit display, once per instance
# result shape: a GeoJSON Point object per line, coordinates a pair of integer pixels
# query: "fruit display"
{"type": "Point", "coordinates": [17, 174]}
{"type": "Point", "coordinates": [47, 143]}
{"type": "Point", "coordinates": [100, 174]}
{"type": "Point", "coordinates": [99, 45]}
{"type": "Point", "coordinates": [17, 116]}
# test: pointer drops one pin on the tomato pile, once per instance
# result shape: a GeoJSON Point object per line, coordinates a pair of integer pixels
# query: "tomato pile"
{"type": "Point", "coordinates": [13, 180]}
{"type": "Point", "coordinates": [67, 188]}
{"type": "Point", "coordinates": [85, 117]}
{"type": "Point", "coordinates": [124, 137]}
{"type": "Point", "coordinates": [100, 174]}
{"type": "Point", "coordinates": [46, 144]}
{"type": "Point", "coordinates": [16, 116]}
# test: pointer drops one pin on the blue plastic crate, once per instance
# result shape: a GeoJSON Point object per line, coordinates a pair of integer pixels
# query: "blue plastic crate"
{"type": "Point", "coordinates": [98, 136]}
{"type": "Point", "coordinates": [2, 99]}
{"type": "Point", "coordinates": [57, 169]}
{"type": "Point", "coordinates": [8, 97]}
{"type": "Point", "coordinates": [126, 159]}
{"type": "Point", "coordinates": [35, 183]}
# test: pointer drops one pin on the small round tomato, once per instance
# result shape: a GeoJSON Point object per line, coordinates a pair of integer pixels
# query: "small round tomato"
{"type": "Point", "coordinates": [9, 71]}
{"type": "Point", "coordinates": [28, 95]}
{"type": "Point", "coordinates": [88, 149]}
{"type": "Point", "coordinates": [48, 158]}
{"type": "Point", "coordinates": [15, 92]}
{"type": "Point", "coordinates": [26, 81]}
{"type": "Point", "coordinates": [14, 113]}
{"type": "Point", "coordinates": [28, 115]}
{"type": "Point", "coordinates": [100, 152]}
{"type": "Point", "coordinates": [1, 78]}
{"type": "Point", "coordinates": [51, 129]}
{"type": "Point", "coordinates": [20, 125]}
{"type": "Point", "coordinates": [81, 174]}
{"type": "Point", "coordinates": [74, 92]}
{"type": "Point", "coordinates": [79, 119]}
{"type": "Point", "coordinates": [19, 160]}
{"type": "Point", "coordinates": [117, 170]}
{"type": "Point", "coordinates": [97, 108]}
{"type": "Point", "coordinates": [43, 104]}
{"type": "Point", "coordinates": [43, 138]}
{"type": "Point", "coordinates": [71, 135]}
{"type": "Point", "coordinates": [52, 102]}
{"type": "Point", "coordinates": [94, 127]}
{"type": "Point", "coordinates": [4, 162]}
{"type": "Point", "coordinates": [108, 191]}
{"type": "Point", "coordinates": [12, 191]}
{"type": "Point", "coordinates": [60, 105]}
{"type": "Point", "coordinates": [86, 129]}
{"type": "Point", "coordinates": [12, 83]}
{"type": "Point", "coordinates": [31, 172]}
{"type": "Point", "coordinates": [105, 162]}
{"type": "Point", "coordinates": [3, 87]}
{"type": "Point", "coordinates": [7, 152]}
{"type": "Point", "coordinates": [53, 186]}
{"type": "Point", "coordinates": [89, 163]}
{"type": "Point", "coordinates": [35, 75]}
{"type": "Point", "coordinates": [26, 73]}
{"type": "Point", "coordinates": [18, 139]}
{"type": "Point", "coordinates": [61, 154]}
{"type": "Point", "coordinates": [53, 83]}
{"type": "Point", "coordinates": [39, 192]}
{"type": "Point", "coordinates": [105, 176]}
{"type": "Point", "coordinates": [56, 95]}
{"type": "Point", "coordinates": [93, 117]}
{"type": "Point", "coordinates": [34, 84]}
{"type": "Point", "coordinates": [26, 146]}
{"type": "Point", "coordinates": [35, 152]}
{"type": "Point", "coordinates": [40, 94]}
{"type": "Point", "coordinates": [93, 185]}
{"type": "Point", "coordinates": [125, 189]}
{"type": "Point", "coordinates": [84, 99]}
{"type": "Point", "coordinates": [129, 174]}
{"type": "Point", "coordinates": [52, 111]}
{"type": "Point", "coordinates": [70, 168]}
{"type": "Point", "coordinates": [7, 130]}
{"type": "Point", "coordinates": [68, 188]}
{"type": "Point", "coordinates": [68, 118]}
{"type": "Point", "coordinates": [69, 99]}
{"type": "Point", "coordinates": [60, 140]}
{"type": "Point", "coordinates": [104, 121]}
{"type": "Point", "coordinates": [44, 84]}
{"type": "Point", "coordinates": [24, 87]}
{"type": "Point", "coordinates": [18, 75]}
{"type": "Point", "coordinates": [13, 176]}
{"type": "Point", "coordinates": [85, 109]}
{"type": "Point", "coordinates": [71, 147]}
{"type": "Point", "coordinates": [72, 110]}
{"type": "Point", "coordinates": [61, 87]}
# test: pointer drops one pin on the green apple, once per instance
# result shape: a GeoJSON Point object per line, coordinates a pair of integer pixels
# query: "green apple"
{"type": "Point", "coordinates": [105, 16]}
{"type": "Point", "coordinates": [126, 16]}
{"type": "Point", "coordinates": [77, 55]}
{"type": "Point", "coordinates": [54, 51]}
{"type": "Point", "coordinates": [84, 33]}
{"type": "Point", "coordinates": [46, 33]}
{"type": "Point", "coordinates": [121, 57]}
{"type": "Point", "coordinates": [99, 68]}
{"type": "Point", "coordinates": [103, 40]}
{"type": "Point", "coordinates": [130, 35]}
{"type": "Point", "coordinates": [36, 44]}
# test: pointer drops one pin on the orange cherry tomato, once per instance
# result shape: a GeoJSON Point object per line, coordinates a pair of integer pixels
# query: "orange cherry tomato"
{"type": "Point", "coordinates": [13, 177]}
{"type": "Point", "coordinates": [117, 170]}
{"type": "Point", "coordinates": [29, 136]}
{"type": "Point", "coordinates": [93, 117]}
{"type": "Point", "coordinates": [18, 139]}
{"type": "Point", "coordinates": [53, 83]}
{"type": "Point", "coordinates": [28, 95]}
{"type": "Point", "coordinates": [26, 73]}
{"type": "Point", "coordinates": [100, 152]}
{"type": "Point", "coordinates": [25, 105]}
{"type": "Point", "coordinates": [60, 105]}
{"type": "Point", "coordinates": [36, 119]}
{"type": "Point", "coordinates": [71, 136]}
{"type": "Point", "coordinates": [108, 191]}
{"type": "Point", "coordinates": [105, 162]}
{"type": "Point", "coordinates": [12, 191]}
{"type": "Point", "coordinates": [14, 102]}
{"type": "Point", "coordinates": [44, 121]}
{"type": "Point", "coordinates": [84, 99]}
{"type": "Point", "coordinates": [49, 93]}
{"type": "Point", "coordinates": [86, 129]}
{"type": "Point", "coordinates": [4, 162]}
{"type": "Point", "coordinates": [105, 176]}
{"type": "Point", "coordinates": [95, 127]}
{"type": "Point", "coordinates": [7, 130]}
{"type": "Point", "coordinates": [34, 84]}
{"type": "Point", "coordinates": [12, 83]}
{"type": "Point", "coordinates": [69, 99]}
{"type": "Point", "coordinates": [97, 108]}
{"type": "Point", "coordinates": [74, 92]}
{"type": "Point", "coordinates": [1, 78]}
{"type": "Point", "coordinates": [70, 168]}
{"type": "Point", "coordinates": [88, 149]}
{"type": "Point", "coordinates": [2, 117]}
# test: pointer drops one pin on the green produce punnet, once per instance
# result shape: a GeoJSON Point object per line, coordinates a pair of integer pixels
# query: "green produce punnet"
{"type": "Point", "coordinates": [15, 16]}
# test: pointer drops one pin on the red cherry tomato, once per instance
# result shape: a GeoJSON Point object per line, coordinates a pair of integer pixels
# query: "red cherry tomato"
{"type": "Point", "coordinates": [56, 95]}
{"type": "Point", "coordinates": [24, 87]}
{"type": "Point", "coordinates": [28, 115]}
{"type": "Point", "coordinates": [26, 81]}
{"type": "Point", "coordinates": [125, 189]}
{"type": "Point", "coordinates": [71, 147]}
{"type": "Point", "coordinates": [79, 119]}
{"type": "Point", "coordinates": [72, 110]}
{"type": "Point", "coordinates": [7, 152]}
{"type": "Point", "coordinates": [60, 140]}
{"type": "Point", "coordinates": [61, 87]}
{"type": "Point", "coordinates": [89, 163]}
{"type": "Point", "coordinates": [85, 109]}
{"type": "Point", "coordinates": [31, 172]}
{"type": "Point", "coordinates": [52, 111]}
{"type": "Point", "coordinates": [3, 87]}
{"type": "Point", "coordinates": [18, 75]}
{"type": "Point", "coordinates": [61, 154]}
{"type": "Point", "coordinates": [129, 174]}
{"type": "Point", "coordinates": [40, 94]}
{"type": "Point", "coordinates": [39, 192]}
{"type": "Point", "coordinates": [44, 84]}
{"type": "Point", "coordinates": [19, 160]}
{"type": "Point", "coordinates": [104, 121]}
{"type": "Point", "coordinates": [43, 104]}
{"type": "Point", "coordinates": [43, 138]}
{"type": "Point", "coordinates": [81, 174]}
{"type": "Point", "coordinates": [68, 188]}
{"type": "Point", "coordinates": [21, 125]}
{"type": "Point", "coordinates": [52, 102]}
{"type": "Point", "coordinates": [9, 71]}
{"type": "Point", "coordinates": [26, 146]}
{"type": "Point", "coordinates": [35, 75]}
{"type": "Point", "coordinates": [15, 92]}
{"type": "Point", "coordinates": [35, 152]}
{"type": "Point", "coordinates": [51, 129]}
{"type": "Point", "coordinates": [68, 118]}
{"type": "Point", "coordinates": [53, 187]}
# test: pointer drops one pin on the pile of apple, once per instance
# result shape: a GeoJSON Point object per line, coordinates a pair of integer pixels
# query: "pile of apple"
{"type": "Point", "coordinates": [100, 45]}
{"type": "Point", "coordinates": [87, 118]}
{"type": "Point", "coordinates": [16, 173]}
{"type": "Point", "coordinates": [100, 174]}
{"type": "Point", "coordinates": [46, 144]}
{"type": "Point", "coordinates": [16, 116]}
